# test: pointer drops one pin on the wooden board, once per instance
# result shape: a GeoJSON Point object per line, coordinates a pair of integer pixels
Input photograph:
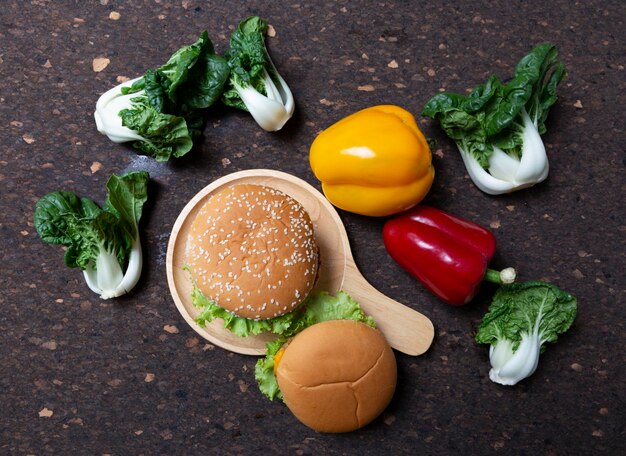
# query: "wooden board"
{"type": "Point", "coordinates": [407, 330]}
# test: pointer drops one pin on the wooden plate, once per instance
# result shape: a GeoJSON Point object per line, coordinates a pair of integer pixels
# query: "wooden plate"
{"type": "Point", "coordinates": [407, 330]}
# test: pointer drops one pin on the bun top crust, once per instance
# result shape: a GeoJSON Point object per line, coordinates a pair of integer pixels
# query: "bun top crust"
{"type": "Point", "coordinates": [337, 376]}
{"type": "Point", "coordinates": [252, 251]}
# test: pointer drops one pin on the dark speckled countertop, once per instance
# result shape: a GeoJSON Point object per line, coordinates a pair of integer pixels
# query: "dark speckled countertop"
{"type": "Point", "coordinates": [129, 376]}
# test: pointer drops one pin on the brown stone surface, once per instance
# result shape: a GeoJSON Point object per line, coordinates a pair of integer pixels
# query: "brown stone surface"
{"type": "Point", "coordinates": [85, 376]}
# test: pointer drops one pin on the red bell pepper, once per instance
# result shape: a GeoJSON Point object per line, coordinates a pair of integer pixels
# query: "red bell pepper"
{"type": "Point", "coordinates": [448, 254]}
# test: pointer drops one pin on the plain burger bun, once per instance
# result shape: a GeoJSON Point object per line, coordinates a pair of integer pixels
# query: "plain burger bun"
{"type": "Point", "coordinates": [252, 251]}
{"type": "Point", "coordinates": [337, 376]}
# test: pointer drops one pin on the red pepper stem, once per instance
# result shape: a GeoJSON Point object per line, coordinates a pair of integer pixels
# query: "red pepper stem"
{"type": "Point", "coordinates": [505, 276]}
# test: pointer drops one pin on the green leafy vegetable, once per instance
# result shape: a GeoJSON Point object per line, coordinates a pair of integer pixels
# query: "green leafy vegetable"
{"type": "Point", "coordinates": [498, 127]}
{"type": "Point", "coordinates": [521, 319]}
{"type": "Point", "coordinates": [161, 112]}
{"type": "Point", "coordinates": [240, 326]}
{"type": "Point", "coordinates": [192, 78]}
{"type": "Point", "coordinates": [318, 308]}
{"type": "Point", "coordinates": [162, 135]}
{"type": "Point", "coordinates": [100, 241]}
{"type": "Point", "coordinates": [254, 84]}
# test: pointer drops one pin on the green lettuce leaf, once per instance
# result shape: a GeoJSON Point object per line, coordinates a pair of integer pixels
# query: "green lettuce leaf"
{"type": "Point", "coordinates": [240, 326]}
{"type": "Point", "coordinates": [543, 73]}
{"type": "Point", "coordinates": [264, 370]}
{"type": "Point", "coordinates": [322, 306]}
{"type": "Point", "coordinates": [81, 225]}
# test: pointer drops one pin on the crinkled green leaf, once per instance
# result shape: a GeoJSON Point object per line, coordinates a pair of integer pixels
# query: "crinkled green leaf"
{"type": "Point", "coordinates": [63, 218]}
{"type": "Point", "coordinates": [322, 306]}
{"type": "Point", "coordinates": [90, 235]}
{"type": "Point", "coordinates": [264, 370]}
{"type": "Point", "coordinates": [53, 211]}
{"type": "Point", "coordinates": [194, 76]}
{"type": "Point", "coordinates": [482, 94]}
{"type": "Point", "coordinates": [178, 66]}
{"type": "Point", "coordinates": [195, 123]}
{"type": "Point", "coordinates": [443, 103]}
{"type": "Point", "coordinates": [164, 135]}
{"type": "Point", "coordinates": [155, 85]}
{"type": "Point", "coordinates": [505, 105]}
{"type": "Point", "coordinates": [240, 326]}
{"type": "Point", "coordinates": [466, 129]}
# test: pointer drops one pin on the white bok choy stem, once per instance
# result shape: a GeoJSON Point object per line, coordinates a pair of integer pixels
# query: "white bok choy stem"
{"type": "Point", "coordinates": [508, 367]}
{"type": "Point", "coordinates": [107, 278]}
{"type": "Point", "coordinates": [482, 179]}
{"type": "Point", "coordinates": [270, 111]}
{"type": "Point", "coordinates": [534, 165]}
{"type": "Point", "coordinates": [108, 121]}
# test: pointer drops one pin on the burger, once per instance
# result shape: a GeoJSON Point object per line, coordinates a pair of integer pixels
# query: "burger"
{"type": "Point", "coordinates": [334, 376]}
{"type": "Point", "coordinates": [253, 258]}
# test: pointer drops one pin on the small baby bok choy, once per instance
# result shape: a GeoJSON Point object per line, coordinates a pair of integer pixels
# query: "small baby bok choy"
{"type": "Point", "coordinates": [125, 117]}
{"type": "Point", "coordinates": [254, 84]}
{"type": "Point", "coordinates": [497, 127]}
{"type": "Point", "coordinates": [102, 241]}
{"type": "Point", "coordinates": [521, 319]}
{"type": "Point", "coordinates": [160, 112]}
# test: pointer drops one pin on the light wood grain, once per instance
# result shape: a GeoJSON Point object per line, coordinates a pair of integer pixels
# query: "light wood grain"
{"type": "Point", "coordinates": [407, 330]}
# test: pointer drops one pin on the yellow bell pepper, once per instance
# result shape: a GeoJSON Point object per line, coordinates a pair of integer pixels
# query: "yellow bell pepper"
{"type": "Point", "coordinates": [374, 162]}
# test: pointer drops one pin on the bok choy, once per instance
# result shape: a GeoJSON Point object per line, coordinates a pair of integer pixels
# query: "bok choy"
{"type": "Point", "coordinates": [160, 112]}
{"type": "Point", "coordinates": [521, 319]}
{"type": "Point", "coordinates": [254, 84]}
{"type": "Point", "coordinates": [102, 241]}
{"type": "Point", "coordinates": [497, 127]}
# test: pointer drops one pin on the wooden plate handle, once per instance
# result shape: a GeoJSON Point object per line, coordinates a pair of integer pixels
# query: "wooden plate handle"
{"type": "Point", "coordinates": [406, 330]}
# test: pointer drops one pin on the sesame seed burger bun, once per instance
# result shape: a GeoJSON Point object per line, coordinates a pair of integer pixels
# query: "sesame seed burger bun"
{"type": "Point", "coordinates": [337, 376]}
{"type": "Point", "coordinates": [252, 251]}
